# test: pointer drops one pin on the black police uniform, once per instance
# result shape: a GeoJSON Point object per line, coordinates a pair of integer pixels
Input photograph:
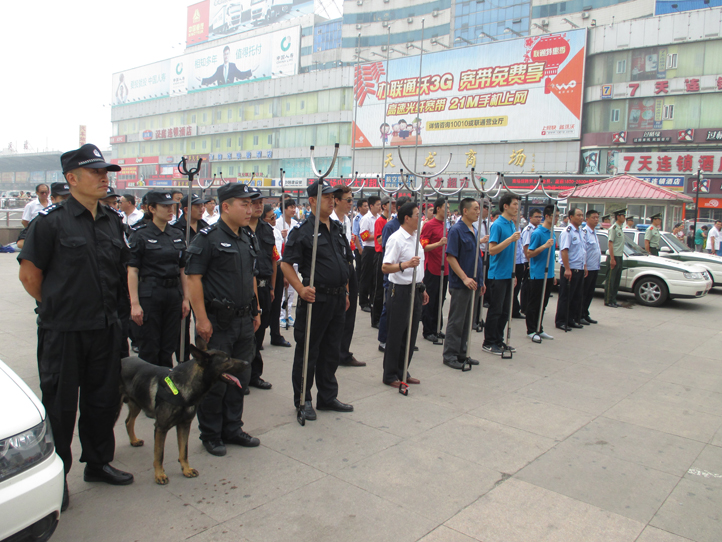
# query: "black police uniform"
{"type": "Point", "coordinates": [227, 263]}
{"type": "Point", "coordinates": [181, 225]}
{"type": "Point", "coordinates": [332, 260]}
{"type": "Point", "coordinates": [159, 257]}
{"type": "Point", "coordinates": [265, 245]}
{"type": "Point", "coordinates": [83, 263]}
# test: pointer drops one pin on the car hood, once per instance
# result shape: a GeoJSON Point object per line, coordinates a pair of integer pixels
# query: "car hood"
{"type": "Point", "coordinates": [698, 257]}
{"type": "Point", "coordinates": [20, 409]}
{"type": "Point", "coordinates": [659, 261]}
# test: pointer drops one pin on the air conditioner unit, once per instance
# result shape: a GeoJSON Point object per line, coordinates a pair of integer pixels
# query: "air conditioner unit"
{"type": "Point", "coordinates": [384, 48]}
{"type": "Point", "coordinates": [387, 1]}
{"type": "Point", "coordinates": [410, 20]}
{"type": "Point", "coordinates": [585, 15]}
{"type": "Point", "coordinates": [545, 22]}
{"type": "Point", "coordinates": [359, 27]}
{"type": "Point", "coordinates": [435, 13]}
{"type": "Point", "coordinates": [359, 2]}
{"type": "Point", "coordinates": [385, 24]}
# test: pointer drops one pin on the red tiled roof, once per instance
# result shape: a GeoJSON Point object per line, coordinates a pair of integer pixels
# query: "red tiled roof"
{"type": "Point", "coordinates": [625, 187]}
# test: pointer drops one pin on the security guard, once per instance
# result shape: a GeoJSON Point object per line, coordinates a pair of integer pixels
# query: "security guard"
{"type": "Point", "coordinates": [158, 290]}
{"type": "Point", "coordinates": [73, 264]}
{"type": "Point", "coordinates": [594, 257]}
{"type": "Point", "coordinates": [221, 272]}
{"type": "Point", "coordinates": [330, 302]}
{"type": "Point", "coordinates": [262, 236]}
{"type": "Point", "coordinates": [572, 272]}
{"type": "Point", "coordinates": [615, 259]}
{"type": "Point", "coordinates": [652, 235]}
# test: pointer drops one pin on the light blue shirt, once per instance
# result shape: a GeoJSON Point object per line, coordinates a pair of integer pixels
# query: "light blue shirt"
{"type": "Point", "coordinates": [524, 240]}
{"type": "Point", "coordinates": [571, 240]}
{"type": "Point", "coordinates": [356, 227]}
{"type": "Point", "coordinates": [591, 245]}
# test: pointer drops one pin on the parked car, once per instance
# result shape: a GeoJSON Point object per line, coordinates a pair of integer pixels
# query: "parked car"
{"type": "Point", "coordinates": [652, 279]}
{"type": "Point", "coordinates": [670, 247]}
{"type": "Point", "coordinates": [31, 473]}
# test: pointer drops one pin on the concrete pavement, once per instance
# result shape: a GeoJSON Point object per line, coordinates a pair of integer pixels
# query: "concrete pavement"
{"type": "Point", "coordinates": [610, 433]}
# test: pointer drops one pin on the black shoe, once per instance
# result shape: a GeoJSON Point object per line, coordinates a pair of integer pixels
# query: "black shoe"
{"type": "Point", "coordinates": [441, 335]}
{"type": "Point", "coordinates": [108, 474]}
{"type": "Point", "coordinates": [416, 348]}
{"type": "Point", "coordinates": [310, 413]}
{"type": "Point", "coordinates": [518, 316]}
{"type": "Point", "coordinates": [590, 320]}
{"type": "Point", "coordinates": [336, 405]}
{"type": "Point", "coordinates": [247, 391]}
{"type": "Point", "coordinates": [469, 360]}
{"type": "Point", "coordinates": [505, 346]}
{"type": "Point", "coordinates": [215, 447]}
{"type": "Point", "coordinates": [486, 305]}
{"type": "Point", "coordinates": [564, 327]}
{"type": "Point", "coordinates": [454, 364]}
{"type": "Point", "coordinates": [575, 325]}
{"type": "Point", "coordinates": [479, 328]}
{"type": "Point", "coordinates": [260, 347]}
{"type": "Point", "coordinates": [366, 308]}
{"type": "Point", "coordinates": [280, 342]}
{"type": "Point", "coordinates": [612, 305]}
{"type": "Point", "coordinates": [382, 348]}
{"type": "Point", "coordinates": [583, 321]}
{"type": "Point", "coordinates": [243, 439]}
{"type": "Point", "coordinates": [433, 338]}
{"type": "Point", "coordinates": [66, 498]}
{"type": "Point", "coordinates": [375, 325]}
{"type": "Point", "coordinates": [135, 349]}
{"type": "Point", "coordinates": [260, 384]}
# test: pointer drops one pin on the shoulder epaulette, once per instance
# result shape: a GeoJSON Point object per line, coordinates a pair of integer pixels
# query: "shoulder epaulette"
{"type": "Point", "coordinates": [206, 231]}
{"type": "Point", "coordinates": [49, 209]}
{"type": "Point", "coordinates": [120, 214]}
{"type": "Point", "coordinates": [138, 226]}
{"type": "Point", "coordinates": [569, 228]}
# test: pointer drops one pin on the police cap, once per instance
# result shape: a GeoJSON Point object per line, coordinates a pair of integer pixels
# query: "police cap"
{"type": "Point", "coordinates": [111, 193]}
{"type": "Point", "coordinates": [59, 189]}
{"type": "Point", "coordinates": [234, 190]}
{"type": "Point", "coordinates": [195, 200]}
{"type": "Point", "coordinates": [655, 217]}
{"type": "Point", "coordinates": [159, 198]}
{"type": "Point", "coordinates": [326, 189]}
{"type": "Point", "coordinates": [86, 156]}
{"type": "Point", "coordinates": [619, 212]}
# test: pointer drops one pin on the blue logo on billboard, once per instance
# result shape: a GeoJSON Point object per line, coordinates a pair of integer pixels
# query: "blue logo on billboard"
{"type": "Point", "coordinates": [285, 43]}
{"type": "Point", "coordinates": [179, 68]}
{"type": "Point", "coordinates": [148, 134]}
{"type": "Point", "coordinates": [393, 180]}
{"type": "Point", "coordinates": [665, 182]}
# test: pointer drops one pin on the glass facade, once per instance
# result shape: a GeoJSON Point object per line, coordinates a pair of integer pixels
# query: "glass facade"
{"type": "Point", "coordinates": [572, 6]}
{"type": "Point", "coordinates": [493, 18]}
{"type": "Point", "coordinates": [327, 36]}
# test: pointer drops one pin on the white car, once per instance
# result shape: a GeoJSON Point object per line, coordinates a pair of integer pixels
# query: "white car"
{"type": "Point", "coordinates": [652, 279]}
{"type": "Point", "coordinates": [32, 477]}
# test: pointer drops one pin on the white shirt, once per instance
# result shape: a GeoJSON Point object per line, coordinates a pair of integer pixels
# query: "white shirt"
{"type": "Point", "coordinates": [283, 225]}
{"type": "Point", "coordinates": [346, 222]}
{"type": "Point", "coordinates": [401, 247]}
{"type": "Point", "coordinates": [367, 225]}
{"type": "Point", "coordinates": [34, 207]}
{"type": "Point", "coordinates": [212, 219]}
{"type": "Point", "coordinates": [133, 217]}
{"type": "Point", "coordinates": [279, 240]}
{"type": "Point", "coordinates": [713, 239]}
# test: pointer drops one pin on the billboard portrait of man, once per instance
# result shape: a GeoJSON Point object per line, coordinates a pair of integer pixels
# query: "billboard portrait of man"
{"type": "Point", "coordinates": [227, 72]}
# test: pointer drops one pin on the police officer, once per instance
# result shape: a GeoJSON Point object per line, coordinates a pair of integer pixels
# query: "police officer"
{"type": "Point", "coordinates": [594, 256]}
{"type": "Point", "coordinates": [330, 302]}
{"type": "Point", "coordinates": [615, 259]}
{"type": "Point", "coordinates": [572, 272]}
{"type": "Point", "coordinates": [221, 272]}
{"type": "Point", "coordinates": [264, 241]}
{"type": "Point", "coordinates": [158, 290]}
{"type": "Point", "coordinates": [652, 235]}
{"type": "Point", "coordinates": [73, 265]}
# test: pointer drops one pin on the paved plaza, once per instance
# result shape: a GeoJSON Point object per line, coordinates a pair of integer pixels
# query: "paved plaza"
{"type": "Point", "coordinates": [612, 433]}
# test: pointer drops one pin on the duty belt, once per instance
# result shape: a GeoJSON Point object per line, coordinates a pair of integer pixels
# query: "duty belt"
{"type": "Point", "coordinates": [167, 283]}
{"type": "Point", "coordinates": [243, 311]}
{"type": "Point", "coordinates": [420, 287]}
{"type": "Point", "coordinates": [331, 291]}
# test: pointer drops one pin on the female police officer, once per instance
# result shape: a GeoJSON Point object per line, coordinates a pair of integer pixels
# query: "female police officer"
{"type": "Point", "coordinates": [154, 277]}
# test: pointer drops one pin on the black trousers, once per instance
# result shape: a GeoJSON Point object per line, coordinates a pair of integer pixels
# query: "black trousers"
{"type": "Point", "coordinates": [521, 272]}
{"type": "Point", "coordinates": [324, 347]}
{"type": "Point", "coordinates": [569, 306]}
{"type": "Point", "coordinates": [350, 322]}
{"type": "Point", "coordinates": [398, 304]}
{"type": "Point", "coordinates": [275, 321]}
{"type": "Point", "coordinates": [365, 276]}
{"type": "Point", "coordinates": [88, 361]}
{"type": "Point", "coordinates": [377, 304]}
{"type": "Point", "coordinates": [221, 410]}
{"type": "Point", "coordinates": [264, 302]}
{"type": "Point", "coordinates": [430, 311]}
{"type": "Point", "coordinates": [590, 284]}
{"type": "Point", "coordinates": [499, 291]}
{"type": "Point", "coordinates": [532, 309]}
{"type": "Point", "coordinates": [160, 332]}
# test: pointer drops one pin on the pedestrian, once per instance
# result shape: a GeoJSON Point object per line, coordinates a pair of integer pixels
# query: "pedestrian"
{"type": "Point", "coordinates": [678, 232]}
{"type": "Point", "coordinates": [73, 265]}
{"type": "Point", "coordinates": [210, 211]}
{"type": "Point", "coordinates": [111, 199]}
{"type": "Point", "coordinates": [271, 217]}
{"type": "Point", "coordinates": [220, 269]}
{"type": "Point", "coordinates": [713, 239]}
{"type": "Point", "coordinates": [342, 201]}
{"type": "Point", "coordinates": [330, 302]}
{"type": "Point", "coordinates": [541, 242]}
{"type": "Point", "coordinates": [158, 289]}
{"type": "Point", "coordinates": [177, 196]}
{"type": "Point", "coordinates": [362, 207]}
{"type": "Point", "coordinates": [399, 263]}
{"type": "Point", "coordinates": [503, 235]}
{"type": "Point", "coordinates": [571, 273]}
{"type": "Point", "coordinates": [615, 259]}
{"type": "Point", "coordinates": [433, 240]}
{"type": "Point", "coordinates": [58, 192]}
{"type": "Point", "coordinates": [287, 223]}
{"type": "Point", "coordinates": [652, 236]}
{"type": "Point", "coordinates": [700, 239]}
{"type": "Point", "coordinates": [594, 258]}
{"type": "Point", "coordinates": [32, 209]}
{"type": "Point", "coordinates": [483, 300]}
{"type": "Point", "coordinates": [127, 206]}
{"type": "Point", "coordinates": [463, 254]}
{"type": "Point", "coordinates": [388, 207]}
{"type": "Point", "coordinates": [690, 238]}
{"type": "Point", "coordinates": [522, 265]}
{"type": "Point", "coordinates": [366, 233]}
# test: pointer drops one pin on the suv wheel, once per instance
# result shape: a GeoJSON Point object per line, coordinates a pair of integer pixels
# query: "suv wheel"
{"type": "Point", "coordinates": [650, 291]}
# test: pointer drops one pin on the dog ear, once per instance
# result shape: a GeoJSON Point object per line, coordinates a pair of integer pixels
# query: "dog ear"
{"type": "Point", "coordinates": [201, 344]}
{"type": "Point", "coordinates": [200, 355]}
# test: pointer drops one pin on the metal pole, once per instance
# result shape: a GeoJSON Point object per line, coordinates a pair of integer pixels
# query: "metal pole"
{"type": "Point", "coordinates": [696, 201]}
{"type": "Point", "coordinates": [418, 100]}
{"type": "Point", "coordinates": [356, 78]}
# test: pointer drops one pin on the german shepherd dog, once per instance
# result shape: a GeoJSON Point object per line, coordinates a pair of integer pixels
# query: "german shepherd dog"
{"type": "Point", "coordinates": [171, 396]}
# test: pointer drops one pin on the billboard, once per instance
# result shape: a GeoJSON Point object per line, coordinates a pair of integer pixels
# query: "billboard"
{"type": "Point", "coordinates": [272, 55]}
{"type": "Point", "coordinates": [524, 89]}
{"type": "Point", "coordinates": [213, 19]}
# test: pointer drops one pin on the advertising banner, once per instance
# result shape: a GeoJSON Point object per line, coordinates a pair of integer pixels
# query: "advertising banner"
{"type": "Point", "coordinates": [667, 163]}
{"type": "Point", "coordinates": [272, 55]}
{"type": "Point", "coordinates": [524, 89]}
{"type": "Point", "coordinates": [197, 27]}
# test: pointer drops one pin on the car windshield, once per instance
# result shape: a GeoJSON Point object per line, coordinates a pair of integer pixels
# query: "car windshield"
{"type": "Point", "coordinates": [675, 243]}
{"type": "Point", "coordinates": [633, 249]}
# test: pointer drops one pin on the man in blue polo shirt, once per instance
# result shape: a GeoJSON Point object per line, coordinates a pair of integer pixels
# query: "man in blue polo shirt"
{"type": "Point", "coordinates": [541, 243]}
{"type": "Point", "coordinates": [460, 251]}
{"type": "Point", "coordinates": [572, 273]}
{"type": "Point", "coordinates": [499, 285]}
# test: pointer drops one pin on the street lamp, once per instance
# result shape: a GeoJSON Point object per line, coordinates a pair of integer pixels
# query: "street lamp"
{"type": "Point", "coordinates": [507, 29]}
{"type": "Point", "coordinates": [414, 46]}
{"type": "Point", "coordinates": [492, 38]}
{"type": "Point", "coordinates": [459, 38]}
{"type": "Point", "coordinates": [397, 51]}
{"type": "Point", "coordinates": [434, 41]}
{"type": "Point", "coordinates": [570, 23]}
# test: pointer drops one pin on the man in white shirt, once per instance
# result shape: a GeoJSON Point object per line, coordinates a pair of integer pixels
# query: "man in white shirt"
{"type": "Point", "coordinates": [127, 205]}
{"type": "Point", "coordinates": [35, 206]}
{"type": "Point", "coordinates": [399, 263]}
{"type": "Point", "coordinates": [285, 225]}
{"type": "Point", "coordinates": [713, 239]}
{"type": "Point", "coordinates": [366, 271]}
{"type": "Point", "coordinates": [211, 214]}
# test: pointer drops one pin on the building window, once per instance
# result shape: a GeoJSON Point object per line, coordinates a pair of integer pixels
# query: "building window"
{"type": "Point", "coordinates": [255, 140]}
{"type": "Point", "coordinates": [668, 112]}
{"type": "Point", "coordinates": [230, 114]}
{"type": "Point", "coordinates": [205, 116]}
{"type": "Point", "coordinates": [204, 144]}
{"type": "Point", "coordinates": [240, 113]}
{"type": "Point", "coordinates": [152, 122]}
{"type": "Point", "coordinates": [240, 141]}
{"type": "Point", "coordinates": [256, 109]}
{"type": "Point", "coordinates": [193, 119]}
{"type": "Point", "coordinates": [622, 66]}
{"type": "Point", "coordinates": [228, 142]}
{"type": "Point", "coordinates": [193, 145]}
{"type": "Point", "coordinates": [231, 169]}
{"type": "Point", "coordinates": [218, 115]}
{"type": "Point", "coordinates": [672, 61]}
{"type": "Point", "coordinates": [218, 143]}
{"type": "Point", "coordinates": [303, 103]}
{"type": "Point", "coordinates": [615, 115]}
{"type": "Point", "coordinates": [270, 142]}
{"type": "Point", "coordinates": [288, 106]}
